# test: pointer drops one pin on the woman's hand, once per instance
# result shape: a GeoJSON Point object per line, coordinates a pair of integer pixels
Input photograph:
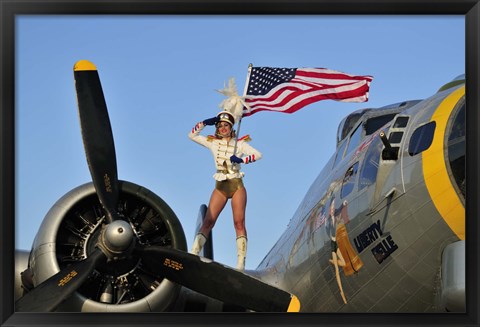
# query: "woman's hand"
{"type": "Point", "coordinates": [235, 159]}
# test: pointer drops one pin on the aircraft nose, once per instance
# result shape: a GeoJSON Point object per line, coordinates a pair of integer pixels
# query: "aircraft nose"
{"type": "Point", "coordinates": [455, 149]}
{"type": "Point", "coordinates": [444, 161]}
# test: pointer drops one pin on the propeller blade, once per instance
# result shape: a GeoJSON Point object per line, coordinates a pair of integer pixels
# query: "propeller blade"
{"type": "Point", "coordinates": [217, 281]}
{"type": "Point", "coordinates": [97, 135]}
{"type": "Point", "coordinates": [52, 292]}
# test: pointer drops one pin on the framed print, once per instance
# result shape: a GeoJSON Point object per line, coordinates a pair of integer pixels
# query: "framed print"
{"type": "Point", "coordinates": [351, 126]}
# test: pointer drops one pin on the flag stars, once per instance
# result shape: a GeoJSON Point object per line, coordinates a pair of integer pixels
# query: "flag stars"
{"type": "Point", "coordinates": [264, 79]}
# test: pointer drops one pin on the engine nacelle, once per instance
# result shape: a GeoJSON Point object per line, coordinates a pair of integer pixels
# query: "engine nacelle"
{"type": "Point", "coordinates": [70, 232]}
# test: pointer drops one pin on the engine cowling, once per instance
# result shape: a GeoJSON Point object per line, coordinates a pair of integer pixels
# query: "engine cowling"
{"type": "Point", "coordinates": [70, 232]}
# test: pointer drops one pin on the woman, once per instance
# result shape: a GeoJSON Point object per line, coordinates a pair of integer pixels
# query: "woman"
{"type": "Point", "coordinates": [229, 179]}
{"type": "Point", "coordinates": [337, 257]}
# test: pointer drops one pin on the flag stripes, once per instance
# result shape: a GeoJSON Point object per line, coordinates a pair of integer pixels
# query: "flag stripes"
{"type": "Point", "coordinates": [290, 89]}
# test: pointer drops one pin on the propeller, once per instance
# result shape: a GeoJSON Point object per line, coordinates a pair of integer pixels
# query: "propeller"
{"type": "Point", "coordinates": [117, 239]}
{"type": "Point", "coordinates": [52, 292]}
{"type": "Point", "coordinates": [216, 280]}
{"type": "Point", "coordinates": [97, 136]}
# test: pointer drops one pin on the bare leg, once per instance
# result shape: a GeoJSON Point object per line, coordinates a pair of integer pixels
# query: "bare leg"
{"type": "Point", "coordinates": [337, 274]}
{"type": "Point", "coordinates": [341, 260]}
{"type": "Point", "coordinates": [215, 207]}
{"type": "Point", "coordinates": [239, 203]}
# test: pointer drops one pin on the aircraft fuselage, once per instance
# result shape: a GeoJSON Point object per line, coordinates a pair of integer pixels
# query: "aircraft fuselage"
{"type": "Point", "coordinates": [390, 208]}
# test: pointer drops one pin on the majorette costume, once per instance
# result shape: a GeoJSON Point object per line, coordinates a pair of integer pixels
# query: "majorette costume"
{"type": "Point", "coordinates": [228, 176]}
{"type": "Point", "coordinates": [222, 150]}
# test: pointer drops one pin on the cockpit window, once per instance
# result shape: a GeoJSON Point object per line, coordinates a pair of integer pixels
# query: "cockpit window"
{"type": "Point", "coordinates": [340, 151]}
{"type": "Point", "coordinates": [349, 180]}
{"type": "Point", "coordinates": [368, 173]}
{"type": "Point", "coordinates": [373, 124]}
{"type": "Point", "coordinates": [347, 124]}
{"type": "Point", "coordinates": [401, 122]}
{"type": "Point", "coordinates": [422, 138]}
{"type": "Point", "coordinates": [354, 139]}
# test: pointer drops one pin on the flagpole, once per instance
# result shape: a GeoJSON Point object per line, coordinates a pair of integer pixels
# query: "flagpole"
{"type": "Point", "coordinates": [244, 94]}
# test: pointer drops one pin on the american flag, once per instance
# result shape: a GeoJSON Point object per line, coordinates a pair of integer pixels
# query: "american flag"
{"type": "Point", "coordinates": [290, 89]}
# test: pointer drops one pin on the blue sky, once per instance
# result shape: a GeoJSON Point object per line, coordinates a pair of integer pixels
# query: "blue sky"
{"type": "Point", "coordinates": [159, 75]}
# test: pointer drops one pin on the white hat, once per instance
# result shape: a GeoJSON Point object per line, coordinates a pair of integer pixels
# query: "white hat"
{"type": "Point", "coordinates": [226, 117]}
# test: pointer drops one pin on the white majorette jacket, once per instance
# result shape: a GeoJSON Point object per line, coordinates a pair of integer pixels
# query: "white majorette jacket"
{"type": "Point", "coordinates": [222, 152]}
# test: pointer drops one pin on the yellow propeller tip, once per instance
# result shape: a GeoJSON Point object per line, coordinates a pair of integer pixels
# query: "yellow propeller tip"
{"type": "Point", "coordinates": [294, 304]}
{"type": "Point", "coordinates": [84, 65]}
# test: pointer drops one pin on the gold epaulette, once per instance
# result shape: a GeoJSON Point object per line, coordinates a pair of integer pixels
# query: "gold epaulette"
{"type": "Point", "coordinates": [210, 138]}
{"type": "Point", "coordinates": [245, 138]}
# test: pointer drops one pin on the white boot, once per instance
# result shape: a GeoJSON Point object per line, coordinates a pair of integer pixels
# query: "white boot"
{"type": "Point", "coordinates": [198, 243]}
{"type": "Point", "coordinates": [241, 252]}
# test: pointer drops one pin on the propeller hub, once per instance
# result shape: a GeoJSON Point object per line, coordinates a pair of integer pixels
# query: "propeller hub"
{"type": "Point", "coordinates": [118, 236]}
{"type": "Point", "coordinates": [117, 240]}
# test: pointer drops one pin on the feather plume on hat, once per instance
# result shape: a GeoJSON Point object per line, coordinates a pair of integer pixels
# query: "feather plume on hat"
{"type": "Point", "coordinates": [234, 103]}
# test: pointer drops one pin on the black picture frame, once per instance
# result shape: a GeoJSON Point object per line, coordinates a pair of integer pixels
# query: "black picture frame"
{"type": "Point", "coordinates": [10, 8]}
